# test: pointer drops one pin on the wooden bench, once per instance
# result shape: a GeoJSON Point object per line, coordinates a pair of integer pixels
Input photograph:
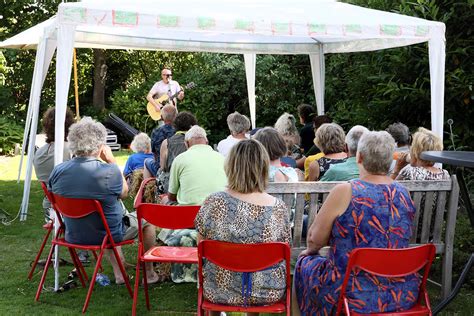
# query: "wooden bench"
{"type": "Point", "coordinates": [436, 205]}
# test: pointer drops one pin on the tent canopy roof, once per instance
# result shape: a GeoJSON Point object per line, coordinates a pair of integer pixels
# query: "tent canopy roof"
{"type": "Point", "coordinates": [236, 26]}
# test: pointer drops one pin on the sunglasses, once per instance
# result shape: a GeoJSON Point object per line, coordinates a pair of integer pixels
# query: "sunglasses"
{"type": "Point", "coordinates": [167, 75]}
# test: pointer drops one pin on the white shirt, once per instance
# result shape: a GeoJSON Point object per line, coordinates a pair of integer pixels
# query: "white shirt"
{"type": "Point", "coordinates": [225, 145]}
{"type": "Point", "coordinates": [160, 88]}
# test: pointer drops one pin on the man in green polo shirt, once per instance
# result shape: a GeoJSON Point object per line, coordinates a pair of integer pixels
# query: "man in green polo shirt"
{"type": "Point", "coordinates": [197, 172]}
{"type": "Point", "coordinates": [347, 170]}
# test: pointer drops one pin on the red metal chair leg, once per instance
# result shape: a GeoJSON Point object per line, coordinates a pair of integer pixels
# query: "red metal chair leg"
{"type": "Point", "coordinates": [92, 283]}
{"type": "Point", "coordinates": [145, 286]}
{"type": "Point", "coordinates": [77, 264]}
{"type": "Point", "coordinates": [45, 272]}
{"type": "Point", "coordinates": [38, 256]}
{"type": "Point", "coordinates": [135, 289]}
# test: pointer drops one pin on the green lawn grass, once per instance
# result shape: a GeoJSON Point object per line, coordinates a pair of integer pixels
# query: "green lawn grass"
{"type": "Point", "coordinates": [20, 241]}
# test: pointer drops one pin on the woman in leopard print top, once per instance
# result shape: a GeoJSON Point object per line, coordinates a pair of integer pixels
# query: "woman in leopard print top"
{"type": "Point", "coordinates": [244, 213]}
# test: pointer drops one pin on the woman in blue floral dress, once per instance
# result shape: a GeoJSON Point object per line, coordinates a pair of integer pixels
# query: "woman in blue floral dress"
{"type": "Point", "coordinates": [372, 211]}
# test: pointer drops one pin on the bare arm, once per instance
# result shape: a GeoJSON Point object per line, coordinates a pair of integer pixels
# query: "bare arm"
{"type": "Point", "coordinates": [313, 174]}
{"type": "Point", "coordinates": [336, 203]}
{"type": "Point", "coordinates": [150, 99]}
{"type": "Point", "coordinates": [163, 153]}
{"type": "Point", "coordinates": [107, 156]}
{"type": "Point", "coordinates": [401, 163]}
{"type": "Point", "coordinates": [172, 197]}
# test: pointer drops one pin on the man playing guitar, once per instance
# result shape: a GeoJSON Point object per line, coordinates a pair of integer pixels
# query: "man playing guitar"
{"type": "Point", "coordinates": [165, 86]}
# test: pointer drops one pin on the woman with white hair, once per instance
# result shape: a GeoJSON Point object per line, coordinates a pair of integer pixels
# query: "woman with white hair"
{"type": "Point", "coordinates": [238, 125]}
{"type": "Point", "coordinates": [141, 146]}
{"type": "Point", "coordinates": [372, 211]}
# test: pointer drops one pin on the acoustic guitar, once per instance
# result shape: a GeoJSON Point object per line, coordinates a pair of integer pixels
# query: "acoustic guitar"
{"type": "Point", "coordinates": [163, 100]}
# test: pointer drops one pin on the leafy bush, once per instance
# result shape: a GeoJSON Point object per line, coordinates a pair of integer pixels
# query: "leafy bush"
{"type": "Point", "coordinates": [10, 134]}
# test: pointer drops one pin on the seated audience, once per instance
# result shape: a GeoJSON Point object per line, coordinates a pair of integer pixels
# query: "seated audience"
{"type": "Point", "coordinates": [412, 167]}
{"type": "Point", "coordinates": [194, 175]}
{"type": "Point", "coordinates": [347, 170]}
{"type": "Point", "coordinates": [244, 213]}
{"type": "Point", "coordinates": [87, 177]}
{"type": "Point", "coordinates": [372, 211]}
{"type": "Point", "coordinates": [276, 148]}
{"type": "Point", "coordinates": [43, 160]}
{"type": "Point", "coordinates": [330, 140]}
{"type": "Point", "coordinates": [158, 135]}
{"type": "Point", "coordinates": [401, 135]}
{"type": "Point", "coordinates": [306, 113]}
{"type": "Point", "coordinates": [141, 146]}
{"type": "Point", "coordinates": [238, 125]}
{"type": "Point", "coordinates": [286, 126]}
{"type": "Point", "coordinates": [314, 153]}
{"type": "Point", "coordinates": [172, 147]}
{"type": "Point", "coordinates": [197, 172]}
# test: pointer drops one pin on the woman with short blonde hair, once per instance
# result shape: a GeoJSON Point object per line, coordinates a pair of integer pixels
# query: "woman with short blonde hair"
{"type": "Point", "coordinates": [244, 213]}
{"type": "Point", "coordinates": [412, 167]}
{"type": "Point", "coordinates": [239, 170]}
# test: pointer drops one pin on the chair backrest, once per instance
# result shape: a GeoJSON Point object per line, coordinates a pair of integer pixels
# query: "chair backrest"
{"type": "Point", "coordinates": [390, 263]}
{"type": "Point", "coordinates": [75, 208]}
{"type": "Point", "coordinates": [164, 216]}
{"type": "Point", "coordinates": [46, 192]}
{"type": "Point", "coordinates": [78, 208]}
{"type": "Point", "coordinates": [243, 257]}
{"type": "Point", "coordinates": [168, 216]}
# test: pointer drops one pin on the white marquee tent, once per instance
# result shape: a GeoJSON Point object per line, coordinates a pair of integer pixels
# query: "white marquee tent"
{"type": "Point", "coordinates": [247, 27]}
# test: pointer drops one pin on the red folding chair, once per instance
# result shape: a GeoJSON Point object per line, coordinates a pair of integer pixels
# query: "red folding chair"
{"type": "Point", "coordinates": [49, 228]}
{"type": "Point", "coordinates": [78, 208]}
{"type": "Point", "coordinates": [244, 258]}
{"type": "Point", "coordinates": [391, 263]}
{"type": "Point", "coordinates": [163, 216]}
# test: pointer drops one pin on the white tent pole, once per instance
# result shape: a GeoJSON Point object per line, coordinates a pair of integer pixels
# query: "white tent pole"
{"type": "Point", "coordinates": [65, 40]}
{"type": "Point", "coordinates": [250, 65]}
{"type": "Point", "coordinates": [34, 109]}
{"type": "Point", "coordinates": [48, 56]}
{"type": "Point", "coordinates": [27, 126]}
{"type": "Point", "coordinates": [322, 78]}
{"type": "Point", "coordinates": [63, 77]}
{"type": "Point", "coordinates": [318, 74]}
{"type": "Point", "coordinates": [437, 57]}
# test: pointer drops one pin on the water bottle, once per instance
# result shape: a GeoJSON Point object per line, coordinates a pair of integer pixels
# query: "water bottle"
{"type": "Point", "coordinates": [102, 279]}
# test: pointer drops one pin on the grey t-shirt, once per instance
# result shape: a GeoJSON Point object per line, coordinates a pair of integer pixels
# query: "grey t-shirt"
{"type": "Point", "coordinates": [90, 178]}
{"type": "Point", "coordinates": [43, 162]}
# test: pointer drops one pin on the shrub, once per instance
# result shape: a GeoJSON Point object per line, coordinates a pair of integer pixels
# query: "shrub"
{"type": "Point", "coordinates": [10, 134]}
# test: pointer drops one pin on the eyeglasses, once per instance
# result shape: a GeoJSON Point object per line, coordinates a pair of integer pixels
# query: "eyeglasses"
{"type": "Point", "coordinates": [167, 75]}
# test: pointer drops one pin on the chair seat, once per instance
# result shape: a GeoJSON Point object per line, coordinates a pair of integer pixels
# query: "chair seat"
{"type": "Point", "coordinates": [275, 308]}
{"type": "Point", "coordinates": [63, 242]}
{"type": "Point", "coordinates": [171, 254]}
{"type": "Point", "coordinates": [415, 310]}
